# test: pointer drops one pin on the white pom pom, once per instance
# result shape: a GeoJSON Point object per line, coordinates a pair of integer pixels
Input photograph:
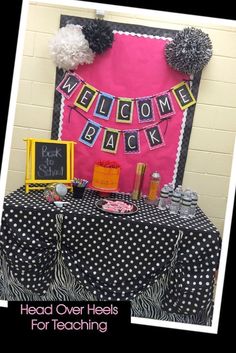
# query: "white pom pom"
{"type": "Point", "coordinates": [69, 48]}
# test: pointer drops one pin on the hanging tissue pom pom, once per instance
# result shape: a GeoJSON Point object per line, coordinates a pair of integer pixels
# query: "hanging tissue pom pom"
{"type": "Point", "coordinates": [190, 50]}
{"type": "Point", "coordinates": [69, 48]}
{"type": "Point", "coordinates": [99, 35]}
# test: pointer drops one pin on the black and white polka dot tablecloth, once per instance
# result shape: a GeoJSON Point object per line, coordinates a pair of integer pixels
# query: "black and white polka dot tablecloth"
{"type": "Point", "coordinates": [115, 257]}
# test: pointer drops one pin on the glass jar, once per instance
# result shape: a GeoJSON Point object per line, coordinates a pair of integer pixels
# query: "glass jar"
{"type": "Point", "coordinates": [55, 192]}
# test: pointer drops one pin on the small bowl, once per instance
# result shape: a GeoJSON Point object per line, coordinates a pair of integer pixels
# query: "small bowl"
{"type": "Point", "coordinates": [59, 203]}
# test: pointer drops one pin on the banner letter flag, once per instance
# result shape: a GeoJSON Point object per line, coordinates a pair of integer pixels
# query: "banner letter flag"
{"type": "Point", "coordinates": [90, 133]}
{"type": "Point", "coordinates": [124, 112]}
{"type": "Point", "coordinates": [154, 137]}
{"type": "Point", "coordinates": [145, 110]}
{"type": "Point", "coordinates": [164, 105]}
{"type": "Point", "coordinates": [110, 140]}
{"type": "Point", "coordinates": [183, 95]}
{"type": "Point", "coordinates": [131, 141]}
{"type": "Point", "coordinates": [104, 106]}
{"type": "Point", "coordinates": [86, 97]}
{"type": "Point", "coordinates": [68, 85]}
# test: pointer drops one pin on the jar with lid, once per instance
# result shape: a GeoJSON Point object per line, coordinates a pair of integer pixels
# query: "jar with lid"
{"type": "Point", "coordinates": [153, 188]}
{"type": "Point", "coordinates": [55, 192]}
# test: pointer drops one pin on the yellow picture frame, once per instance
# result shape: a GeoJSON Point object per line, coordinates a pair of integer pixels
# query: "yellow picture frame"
{"type": "Point", "coordinates": [30, 175]}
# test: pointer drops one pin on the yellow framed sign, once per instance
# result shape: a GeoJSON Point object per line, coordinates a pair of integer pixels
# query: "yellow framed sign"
{"type": "Point", "coordinates": [183, 95]}
{"type": "Point", "coordinates": [48, 161]}
{"type": "Point", "coordinates": [86, 97]}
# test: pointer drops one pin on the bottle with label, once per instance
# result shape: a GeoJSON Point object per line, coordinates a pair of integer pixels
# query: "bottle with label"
{"type": "Point", "coordinates": [180, 190]}
{"type": "Point", "coordinates": [171, 190]}
{"type": "Point", "coordinates": [175, 202]}
{"type": "Point", "coordinates": [185, 206]}
{"type": "Point", "coordinates": [193, 206]}
{"type": "Point", "coordinates": [153, 189]}
{"type": "Point", "coordinates": [188, 192]}
{"type": "Point", "coordinates": [163, 197]}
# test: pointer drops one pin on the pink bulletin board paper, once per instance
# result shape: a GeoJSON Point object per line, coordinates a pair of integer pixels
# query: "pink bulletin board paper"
{"type": "Point", "coordinates": [134, 67]}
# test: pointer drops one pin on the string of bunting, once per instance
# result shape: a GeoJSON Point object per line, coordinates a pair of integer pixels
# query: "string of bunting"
{"type": "Point", "coordinates": [111, 137]}
{"type": "Point", "coordinates": [125, 106]}
{"type": "Point", "coordinates": [124, 113]}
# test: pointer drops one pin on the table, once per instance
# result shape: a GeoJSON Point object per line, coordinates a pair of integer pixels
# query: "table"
{"type": "Point", "coordinates": [163, 264]}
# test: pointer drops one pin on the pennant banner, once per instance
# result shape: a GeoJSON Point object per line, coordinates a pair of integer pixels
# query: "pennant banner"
{"type": "Point", "coordinates": [104, 106]}
{"type": "Point", "coordinates": [110, 140]}
{"type": "Point", "coordinates": [154, 137]}
{"type": "Point", "coordinates": [90, 133]}
{"type": "Point", "coordinates": [86, 97]}
{"type": "Point", "coordinates": [125, 106]}
{"type": "Point", "coordinates": [68, 85]}
{"type": "Point", "coordinates": [145, 110]}
{"type": "Point", "coordinates": [124, 112]}
{"type": "Point", "coordinates": [111, 137]}
{"type": "Point", "coordinates": [164, 105]}
{"type": "Point", "coordinates": [183, 95]}
{"type": "Point", "coordinates": [131, 142]}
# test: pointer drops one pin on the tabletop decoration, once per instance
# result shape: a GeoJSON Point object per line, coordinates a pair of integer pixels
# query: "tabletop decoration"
{"type": "Point", "coordinates": [135, 251]}
{"type": "Point", "coordinates": [116, 206]}
{"type": "Point", "coordinates": [138, 181]}
{"type": "Point", "coordinates": [106, 175]}
{"type": "Point", "coordinates": [78, 186]}
{"type": "Point", "coordinates": [55, 192]}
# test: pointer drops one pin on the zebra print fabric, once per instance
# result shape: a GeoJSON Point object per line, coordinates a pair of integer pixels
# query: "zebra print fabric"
{"type": "Point", "coordinates": [65, 287]}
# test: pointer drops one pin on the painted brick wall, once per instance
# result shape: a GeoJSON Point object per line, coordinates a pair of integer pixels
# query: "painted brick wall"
{"type": "Point", "coordinates": [211, 145]}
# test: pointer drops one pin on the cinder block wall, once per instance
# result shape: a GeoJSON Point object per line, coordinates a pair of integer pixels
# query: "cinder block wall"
{"type": "Point", "coordinates": [211, 145]}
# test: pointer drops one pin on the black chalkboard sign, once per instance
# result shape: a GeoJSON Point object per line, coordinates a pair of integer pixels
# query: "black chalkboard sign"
{"type": "Point", "coordinates": [50, 161]}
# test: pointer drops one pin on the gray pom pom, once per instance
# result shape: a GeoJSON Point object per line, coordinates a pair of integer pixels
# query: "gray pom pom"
{"type": "Point", "coordinates": [190, 50]}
